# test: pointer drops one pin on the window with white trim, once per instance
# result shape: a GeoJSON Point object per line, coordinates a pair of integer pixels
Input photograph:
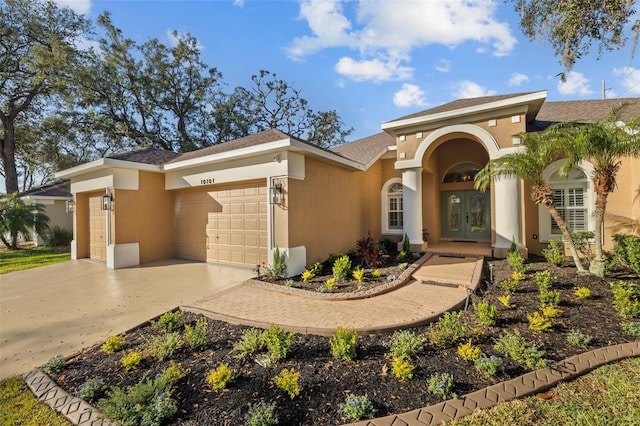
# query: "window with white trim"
{"type": "Point", "coordinates": [573, 198]}
{"type": "Point", "coordinates": [392, 207]}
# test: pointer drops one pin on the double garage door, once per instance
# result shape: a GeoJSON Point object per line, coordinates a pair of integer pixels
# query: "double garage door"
{"type": "Point", "coordinates": [222, 224]}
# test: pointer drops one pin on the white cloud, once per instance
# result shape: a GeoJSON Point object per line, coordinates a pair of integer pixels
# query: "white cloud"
{"type": "Point", "coordinates": [575, 84]}
{"type": "Point", "coordinates": [375, 70]}
{"type": "Point", "coordinates": [629, 78]}
{"type": "Point", "coordinates": [238, 3]}
{"type": "Point", "coordinates": [175, 36]}
{"type": "Point", "coordinates": [81, 7]}
{"type": "Point", "coordinates": [388, 31]}
{"type": "Point", "coordinates": [469, 89]}
{"type": "Point", "coordinates": [410, 95]}
{"type": "Point", "coordinates": [444, 66]}
{"type": "Point", "coordinates": [517, 79]}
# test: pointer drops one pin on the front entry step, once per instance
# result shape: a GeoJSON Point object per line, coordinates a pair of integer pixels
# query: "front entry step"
{"type": "Point", "coordinates": [447, 271]}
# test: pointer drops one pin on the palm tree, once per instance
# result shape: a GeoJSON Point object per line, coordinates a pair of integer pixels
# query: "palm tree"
{"type": "Point", "coordinates": [19, 218]}
{"type": "Point", "coordinates": [604, 143]}
{"type": "Point", "coordinates": [541, 150]}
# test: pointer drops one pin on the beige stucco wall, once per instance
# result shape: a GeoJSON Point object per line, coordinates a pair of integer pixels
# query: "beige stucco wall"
{"type": "Point", "coordinates": [332, 207]}
{"type": "Point", "coordinates": [145, 216]}
{"type": "Point", "coordinates": [623, 205]}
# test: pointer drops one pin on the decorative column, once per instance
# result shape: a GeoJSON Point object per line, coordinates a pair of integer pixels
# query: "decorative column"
{"type": "Point", "coordinates": [412, 206]}
{"type": "Point", "coordinates": [507, 214]}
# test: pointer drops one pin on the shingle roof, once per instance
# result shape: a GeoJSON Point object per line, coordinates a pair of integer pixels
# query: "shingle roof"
{"type": "Point", "coordinates": [588, 111]}
{"type": "Point", "coordinates": [256, 139]}
{"type": "Point", "coordinates": [366, 149]}
{"type": "Point", "coordinates": [58, 189]}
{"type": "Point", "coordinates": [461, 103]}
{"type": "Point", "coordinates": [150, 155]}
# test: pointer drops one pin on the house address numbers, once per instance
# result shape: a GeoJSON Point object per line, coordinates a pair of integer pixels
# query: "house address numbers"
{"type": "Point", "coordinates": [207, 181]}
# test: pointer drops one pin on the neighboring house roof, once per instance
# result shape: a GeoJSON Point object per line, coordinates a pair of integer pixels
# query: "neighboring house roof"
{"type": "Point", "coordinates": [58, 189]}
{"type": "Point", "coordinates": [367, 149]}
{"type": "Point", "coordinates": [588, 111]}
{"type": "Point", "coordinates": [154, 156]}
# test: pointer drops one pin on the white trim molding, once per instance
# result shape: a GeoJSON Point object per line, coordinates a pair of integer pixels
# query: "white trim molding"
{"type": "Point", "coordinates": [385, 208]}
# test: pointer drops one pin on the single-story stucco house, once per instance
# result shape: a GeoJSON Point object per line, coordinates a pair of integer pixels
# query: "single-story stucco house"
{"type": "Point", "coordinates": [235, 202]}
{"type": "Point", "coordinates": [53, 197]}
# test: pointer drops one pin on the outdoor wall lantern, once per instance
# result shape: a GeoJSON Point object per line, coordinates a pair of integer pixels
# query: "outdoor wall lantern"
{"type": "Point", "coordinates": [71, 206]}
{"type": "Point", "coordinates": [106, 202]}
{"type": "Point", "coordinates": [276, 193]}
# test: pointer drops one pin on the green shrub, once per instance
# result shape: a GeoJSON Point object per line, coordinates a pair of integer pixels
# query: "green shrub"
{"type": "Point", "coordinates": [357, 408]}
{"type": "Point", "coordinates": [376, 273]}
{"type": "Point", "coordinates": [626, 251]}
{"type": "Point", "coordinates": [489, 366]}
{"type": "Point", "coordinates": [506, 301]}
{"type": "Point", "coordinates": [289, 381]}
{"type": "Point", "coordinates": [251, 342]}
{"type": "Point", "coordinates": [513, 345]}
{"type": "Point", "coordinates": [261, 414]}
{"type": "Point", "coordinates": [59, 237]}
{"type": "Point", "coordinates": [219, 377]}
{"type": "Point", "coordinates": [578, 338]}
{"type": "Point", "coordinates": [278, 268]}
{"type": "Point", "coordinates": [402, 368]}
{"type": "Point", "coordinates": [544, 280]}
{"type": "Point", "coordinates": [583, 293]}
{"type": "Point", "coordinates": [403, 266]}
{"type": "Point", "coordinates": [113, 344]}
{"type": "Point", "coordinates": [92, 389]}
{"type": "Point", "coordinates": [307, 276]}
{"type": "Point", "coordinates": [406, 244]}
{"type": "Point", "coordinates": [163, 346]}
{"type": "Point", "coordinates": [341, 267]}
{"type": "Point", "coordinates": [331, 284]}
{"type": "Point", "coordinates": [510, 285]}
{"type": "Point", "coordinates": [485, 313]}
{"type": "Point", "coordinates": [550, 311]}
{"type": "Point", "coordinates": [625, 298]}
{"type": "Point", "coordinates": [278, 342]}
{"type": "Point", "coordinates": [469, 352]}
{"type": "Point", "coordinates": [554, 253]}
{"type": "Point", "coordinates": [172, 374]}
{"type": "Point", "coordinates": [516, 262]}
{"type": "Point", "coordinates": [358, 274]}
{"type": "Point", "coordinates": [549, 297]}
{"type": "Point", "coordinates": [54, 365]}
{"type": "Point", "coordinates": [632, 328]}
{"type": "Point", "coordinates": [581, 242]}
{"type": "Point", "coordinates": [448, 330]}
{"type": "Point", "coordinates": [344, 343]}
{"type": "Point", "coordinates": [132, 360]}
{"type": "Point", "coordinates": [196, 336]}
{"type": "Point", "coordinates": [168, 321]}
{"type": "Point", "coordinates": [404, 344]}
{"type": "Point", "coordinates": [442, 384]}
{"type": "Point", "coordinates": [538, 322]}
{"type": "Point", "coordinates": [149, 402]}
{"type": "Point", "coordinates": [315, 269]}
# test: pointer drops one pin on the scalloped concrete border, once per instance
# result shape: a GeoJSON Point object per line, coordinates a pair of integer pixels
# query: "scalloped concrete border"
{"type": "Point", "coordinates": [402, 280]}
{"type": "Point", "coordinates": [519, 387]}
{"type": "Point", "coordinates": [79, 412]}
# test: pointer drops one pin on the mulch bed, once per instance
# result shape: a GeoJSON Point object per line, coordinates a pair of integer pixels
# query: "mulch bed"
{"type": "Point", "coordinates": [327, 381]}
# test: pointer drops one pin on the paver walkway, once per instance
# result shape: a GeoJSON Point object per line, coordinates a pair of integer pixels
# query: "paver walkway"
{"type": "Point", "coordinates": [415, 303]}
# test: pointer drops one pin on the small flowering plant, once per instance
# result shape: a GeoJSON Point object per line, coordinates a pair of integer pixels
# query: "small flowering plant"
{"type": "Point", "coordinates": [357, 407]}
{"type": "Point", "coordinates": [261, 414]}
{"type": "Point", "coordinates": [442, 384]}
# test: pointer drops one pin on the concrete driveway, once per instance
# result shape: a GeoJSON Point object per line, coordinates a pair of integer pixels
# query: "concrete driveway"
{"type": "Point", "coordinates": [62, 308]}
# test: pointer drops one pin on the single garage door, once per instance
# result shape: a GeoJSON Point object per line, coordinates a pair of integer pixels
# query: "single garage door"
{"type": "Point", "coordinates": [97, 228]}
{"type": "Point", "coordinates": [223, 224]}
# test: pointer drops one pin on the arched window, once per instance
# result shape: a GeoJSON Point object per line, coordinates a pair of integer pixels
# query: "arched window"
{"type": "Point", "coordinates": [392, 207]}
{"type": "Point", "coordinates": [463, 172]}
{"type": "Point", "coordinates": [573, 198]}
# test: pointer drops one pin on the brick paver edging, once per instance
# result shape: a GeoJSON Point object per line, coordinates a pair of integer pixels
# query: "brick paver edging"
{"type": "Point", "coordinates": [403, 279]}
{"type": "Point", "coordinates": [527, 384]}
{"type": "Point", "coordinates": [79, 412]}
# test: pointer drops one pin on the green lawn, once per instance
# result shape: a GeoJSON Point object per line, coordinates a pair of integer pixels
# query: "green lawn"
{"type": "Point", "coordinates": [609, 395]}
{"type": "Point", "coordinates": [18, 406]}
{"type": "Point", "coordinates": [17, 260]}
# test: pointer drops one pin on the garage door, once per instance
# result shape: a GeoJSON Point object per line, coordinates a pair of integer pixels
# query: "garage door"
{"type": "Point", "coordinates": [97, 229]}
{"type": "Point", "coordinates": [223, 224]}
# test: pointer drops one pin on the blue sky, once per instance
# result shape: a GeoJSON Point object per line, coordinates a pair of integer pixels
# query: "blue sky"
{"type": "Point", "coordinates": [373, 61]}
